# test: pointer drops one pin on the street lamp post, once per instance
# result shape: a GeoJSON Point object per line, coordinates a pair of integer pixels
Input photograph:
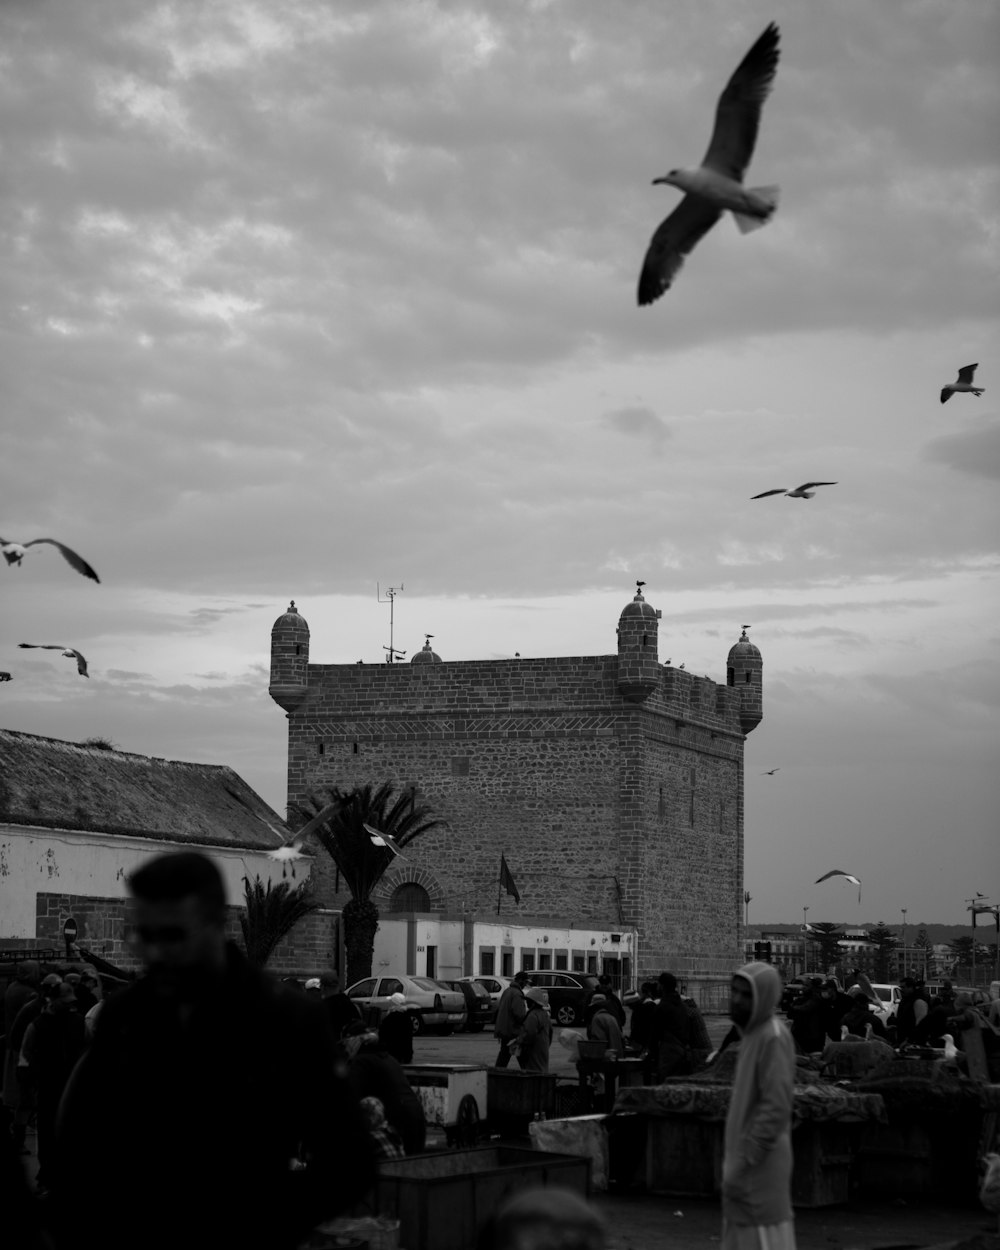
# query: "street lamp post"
{"type": "Point", "coordinates": [747, 899]}
{"type": "Point", "coordinates": [805, 941]}
{"type": "Point", "coordinates": [903, 910]}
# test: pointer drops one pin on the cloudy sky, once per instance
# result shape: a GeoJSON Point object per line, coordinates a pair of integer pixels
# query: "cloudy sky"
{"type": "Point", "coordinates": [307, 298]}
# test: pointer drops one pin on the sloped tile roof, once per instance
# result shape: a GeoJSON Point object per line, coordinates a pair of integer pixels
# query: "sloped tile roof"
{"type": "Point", "coordinates": [66, 785]}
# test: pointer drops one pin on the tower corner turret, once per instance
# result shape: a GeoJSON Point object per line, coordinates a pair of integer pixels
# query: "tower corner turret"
{"type": "Point", "coordinates": [289, 682]}
{"type": "Point", "coordinates": [744, 672]}
{"type": "Point", "coordinates": [638, 662]}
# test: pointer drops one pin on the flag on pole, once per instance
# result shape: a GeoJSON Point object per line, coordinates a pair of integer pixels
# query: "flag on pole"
{"type": "Point", "coordinates": [506, 880]}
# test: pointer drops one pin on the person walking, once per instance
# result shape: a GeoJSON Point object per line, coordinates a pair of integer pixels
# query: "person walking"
{"type": "Point", "coordinates": [535, 1034]}
{"type": "Point", "coordinates": [642, 1024]}
{"type": "Point", "coordinates": [757, 1158]}
{"type": "Point", "coordinates": [395, 1030]}
{"type": "Point", "coordinates": [604, 1026]}
{"type": "Point", "coordinates": [911, 1015]}
{"type": "Point", "coordinates": [673, 1030]}
{"type": "Point", "coordinates": [511, 1011]}
{"type": "Point", "coordinates": [340, 1011]}
{"type": "Point", "coordinates": [206, 1087]}
{"type": "Point", "coordinates": [605, 987]}
{"type": "Point", "coordinates": [21, 991]}
{"type": "Point", "coordinates": [53, 1042]}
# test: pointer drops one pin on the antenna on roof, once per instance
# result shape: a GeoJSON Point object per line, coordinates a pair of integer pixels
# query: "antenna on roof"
{"type": "Point", "coordinates": [391, 592]}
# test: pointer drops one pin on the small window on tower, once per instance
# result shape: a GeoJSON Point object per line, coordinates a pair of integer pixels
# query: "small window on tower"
{"type": "Point", "coordinates": [355, 747]}
{"type": "Point", "coordinates": [298, 648]}
{"type": "Point", "coordinates": [320, 748]}
{"type": "Point", "coordinates": [730, 676]}
{"type": "Point", "coordinates": [747, 678]}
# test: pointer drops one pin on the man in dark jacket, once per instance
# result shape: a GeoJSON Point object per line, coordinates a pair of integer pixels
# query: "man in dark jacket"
{"type": "Point", "coordinates": [375, 1074]}
{"type": "Point", "coordinates": [21, 991]}
{"type": "Point", "coordinates": [612, 1003]}
{"type": "Point", "coordinates": [206, 1087]}
{"type": "Point", "coordinates": [510, 1016]}
{"type": "Point", "coordinates": [53, 1042]}
{"type": "Point", "coordinates": [395, 1030]}
{"type": "Point", "coordinates": [808, 1023]}
{"type": "Point", "coordinates": [672, 1030]}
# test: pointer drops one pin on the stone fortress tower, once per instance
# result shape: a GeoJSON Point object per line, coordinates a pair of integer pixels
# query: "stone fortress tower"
{"type": "Point", "coordinates": [613, 784]}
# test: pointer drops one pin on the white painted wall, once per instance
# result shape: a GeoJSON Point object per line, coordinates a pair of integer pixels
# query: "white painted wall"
{"type": "Point", "coordinates": [448, 934]}
{"type": "Point", "coordinates": [65, 861]}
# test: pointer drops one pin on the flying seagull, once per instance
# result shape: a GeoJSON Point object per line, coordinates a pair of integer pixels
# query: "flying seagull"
{"type": "Point", "coordinates": [805, 491]}
{"type": "Point", "coordinates": [837, 872]}
{"type": "Point", "coordinates": [68, 652]}
{"type": "Point", "coordinates": [14, 553]}
{"type": "Point", "coordinates": [717, 184]}
{"type": "Point", "coordinates": [383, 839]}
{"type": "Point", "coordinates": [290, 851]}
{"type": "Point", "coordinates": [964, 383]}
{"type": "Point", "coordinates": [770, 772]}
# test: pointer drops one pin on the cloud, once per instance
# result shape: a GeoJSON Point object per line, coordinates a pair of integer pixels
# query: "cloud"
{"type": "Point", "coordinates": [975, 451]}
{"type": "Point", "coordinates": [638, 422]}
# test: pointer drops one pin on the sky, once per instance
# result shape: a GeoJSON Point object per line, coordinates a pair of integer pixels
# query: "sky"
{"type": "Point", "coordinates": [306, 301]}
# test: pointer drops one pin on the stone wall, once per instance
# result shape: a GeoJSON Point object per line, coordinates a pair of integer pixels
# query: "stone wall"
{"type": "Point", "coordinates": [610, 812]}
{"type": "Point", "coordinates": [102, 927]}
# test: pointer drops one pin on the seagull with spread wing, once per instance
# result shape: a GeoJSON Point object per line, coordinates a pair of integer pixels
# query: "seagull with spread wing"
{"type": "Point", "coordinates": [838, 872]}
{"type": "Point", "coordinates": [14, 553]}
{"type": "Point", "coordinates": [805, 491]}
{"type": "Point", "coordinates": [383, 839]}
{"type": "Point", "coordinates": [68, 652]}
{"type": "Point", "coordinates": [717, 184]}
{"type": "Point", "coordinates": [770, 772]}
{"type": "Point", "coordinates": [290, 851]}
{"type": "Point", "coordinates": [963, 383]}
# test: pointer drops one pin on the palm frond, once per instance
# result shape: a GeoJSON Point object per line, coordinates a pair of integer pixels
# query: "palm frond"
{"type": "Point", "coordinates": [270, 914]}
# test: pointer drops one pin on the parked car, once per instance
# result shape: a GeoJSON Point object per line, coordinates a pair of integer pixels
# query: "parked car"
{"type": "Point", "coordinates": [790, 993]}
{"type": "Point", "coordinates": [890, 996]}
{"type": "Point", "coordinates": [431, 1004]}
{"type": "Point", "coordinates": [495, 986]}
{"type": "Point", "coordinates": [568, 993]}
{"type": "Point", "coordinates": [479, 1006]}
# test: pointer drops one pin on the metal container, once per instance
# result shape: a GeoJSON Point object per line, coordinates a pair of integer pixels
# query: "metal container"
{"type": "Point", "coordinates": [453, 1096]}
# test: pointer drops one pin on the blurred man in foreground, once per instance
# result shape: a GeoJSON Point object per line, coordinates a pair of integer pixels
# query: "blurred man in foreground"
{"type": "Point", "coordinates": [206, 1089]}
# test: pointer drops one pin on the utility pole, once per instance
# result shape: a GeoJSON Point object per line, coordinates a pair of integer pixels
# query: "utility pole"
{"type": "Point", "coordinates": [972, 909]}
{"type": "Point", "coordinates": [903, 950]}
{"type": "Point", "coordinates": [391, 593]}
{"type": "Point", "coordinates": [805, 941]}
{"type": "Point", "coordinates": [747, 899]}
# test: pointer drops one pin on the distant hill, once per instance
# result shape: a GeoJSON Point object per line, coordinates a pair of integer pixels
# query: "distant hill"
{"type": "Point", "coordinates": [938, 933]}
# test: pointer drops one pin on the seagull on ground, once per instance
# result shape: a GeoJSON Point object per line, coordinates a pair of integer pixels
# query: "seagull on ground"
{"type": "Point", "coordinates": [805, 491]}
{"type": "Point", "coordinates": [717, 184]}
{"type": "Point", "coordinates": [14, 553]}
{"type": "Point", "coordinates": [950, 1049]}
{"type": "Point", "coordinates": [383, 839]}
{"type": "Point", "coordinates": [770, 772]}
{"type": "Point", "coordinates": [290, 851]}
{"type": "Point", "coordinates": [963, 383]}
{"type": "Point", "coordinates": [68, 652]}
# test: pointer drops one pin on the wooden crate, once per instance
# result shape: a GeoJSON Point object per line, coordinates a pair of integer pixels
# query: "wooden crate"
{"type": "Point", "coordinates": [442, 1201]}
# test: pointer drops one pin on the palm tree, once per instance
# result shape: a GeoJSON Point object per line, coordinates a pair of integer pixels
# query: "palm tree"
{"type": "Point", "coordinates": [270, 914]}
{"type": "Point", "coordinates": [361, 863]}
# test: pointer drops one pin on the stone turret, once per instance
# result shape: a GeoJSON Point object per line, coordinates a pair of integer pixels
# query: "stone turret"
{"type": "Point", "coordinates": [638, 665]}
{"type": "Point", "coordinates": [289, 683]}
{"type": "Point", "coordinates": [426, 654]}
{"type": "Point", "coordinates": [744, 672]}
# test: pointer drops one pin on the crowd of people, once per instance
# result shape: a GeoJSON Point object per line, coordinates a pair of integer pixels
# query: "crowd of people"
{"type": "Point", "coordinates": [206, 1083]}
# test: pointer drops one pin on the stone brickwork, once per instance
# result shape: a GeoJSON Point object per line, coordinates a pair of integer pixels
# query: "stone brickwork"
{"type": "Point", "coordinates": [102, 927]}
{"type": "Point", "coordinates": [613, 785]}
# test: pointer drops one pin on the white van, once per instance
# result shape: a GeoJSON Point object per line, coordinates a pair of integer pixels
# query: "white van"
{"type": "Point", "coordinates": [890, 996]}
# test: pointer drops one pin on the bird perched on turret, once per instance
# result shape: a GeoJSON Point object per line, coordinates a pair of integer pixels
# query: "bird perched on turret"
{"type": "Point", "coordinates": [805, 491]}
{"type": "Point", "coordinates": [717, 184]}
{"type": "Point", "coordinates": [14, 553]}
{"type": "Point", "coordinates": [69, 652]}
{"type": "Point", "coordinates": [963, 384]}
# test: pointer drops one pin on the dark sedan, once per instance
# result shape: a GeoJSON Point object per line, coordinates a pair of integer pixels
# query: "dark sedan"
{"type": "Point", "coordinates": [569, 993]}
{"type": "Point", "coordinates": [478, 1003]}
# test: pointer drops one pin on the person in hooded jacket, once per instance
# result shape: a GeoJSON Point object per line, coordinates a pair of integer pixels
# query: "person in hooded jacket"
{"type": "Point", "coordinates": [757, 1161]}
{"type": "Point", "coordinates": [395, 1031]}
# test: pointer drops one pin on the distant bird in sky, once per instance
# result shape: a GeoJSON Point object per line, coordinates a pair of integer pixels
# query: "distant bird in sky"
{"type": "Point", "coordinates": [69, 652]}
{"type": "Point", "coordinates": [5, 677]}
{"type": "Point", "coordinates": [964, 383]}
{"type": "Point", "coordinates": [770, 772]}
{"type": "Point", "coordinates": [290, 851]}
{"type": "Point", "coordinates": [383, 839]}
{"type": "Point", "coordinates": [805, 491]}
{"type": "Point", "coordinates": [14, 553]}
{"type": "Point", "coordinates": [717, 184]}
